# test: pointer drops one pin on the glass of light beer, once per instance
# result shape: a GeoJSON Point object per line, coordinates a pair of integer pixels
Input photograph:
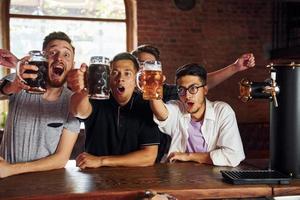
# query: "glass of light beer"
{"type": "Point", "coordinates": [98, 78]}
{"type": "Point", "coordinates": [150, 80]}
{"type": "Point", "coordinates": [37, 85]}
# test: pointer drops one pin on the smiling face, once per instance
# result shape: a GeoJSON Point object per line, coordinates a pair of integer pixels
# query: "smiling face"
{"type": "Point", "coordinates": [193, 103]}
{"type": "Point", "coordinates": [61, 60]}
{"type": "Point", "coordinates": [122, 80]}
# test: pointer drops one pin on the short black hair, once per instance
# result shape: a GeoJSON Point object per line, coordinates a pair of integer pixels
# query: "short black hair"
{"type": "Point", "coordinates": [126, 56]}
{"type": "Point", "coordinates": [146, 48]}
{"type": "Point", "coordinates": [57, 36]}
{"type": "Point", "coordinates": [192, 69]}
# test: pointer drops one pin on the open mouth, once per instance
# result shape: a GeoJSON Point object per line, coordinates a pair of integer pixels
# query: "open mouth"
{"type": "Point", "coordinates": [189, 104]}
{"type": "Point", "coordinates": [120, 90]}
{"type": "Point", "coordinates": [58, 70]}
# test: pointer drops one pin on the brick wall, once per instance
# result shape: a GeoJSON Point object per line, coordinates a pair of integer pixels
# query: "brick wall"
{"type": "Point", "coordinates": [214, 33]}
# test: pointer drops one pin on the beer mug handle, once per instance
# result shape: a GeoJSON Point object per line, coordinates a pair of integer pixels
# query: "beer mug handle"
{"type": "Point", "coordinates": [137, 80]}
{"type": "Point", "coordinates": [18, 72]}
{"type": "Point", "coordinates": [86, 79]}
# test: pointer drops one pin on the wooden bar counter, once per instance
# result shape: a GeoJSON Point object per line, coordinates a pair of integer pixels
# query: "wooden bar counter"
{"type": "Point", "coordinates": [181, 180]}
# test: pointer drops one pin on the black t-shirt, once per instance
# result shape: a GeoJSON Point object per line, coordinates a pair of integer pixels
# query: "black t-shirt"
{"type": "Point", "coordinates": [169, 92]}
{"type": "Point", "coordinates": [116, 130]}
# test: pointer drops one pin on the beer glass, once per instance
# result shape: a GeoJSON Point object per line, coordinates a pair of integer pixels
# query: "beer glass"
{"type": "Point", "coordinates": [37, 85]}
{"type": "Point", "coordinates": [98, 78]}
{"type": "Point", "coordinates": [150, 80]}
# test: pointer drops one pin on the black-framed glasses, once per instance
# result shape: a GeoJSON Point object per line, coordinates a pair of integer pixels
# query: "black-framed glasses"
{"type": "Point", "coordinates": [193, 89]}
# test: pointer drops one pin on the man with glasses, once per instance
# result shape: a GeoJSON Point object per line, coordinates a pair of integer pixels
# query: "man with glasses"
{"type": "Point", "coordinates": [202, 131]}
{"type": "Point", "coordinates": [151, 53]}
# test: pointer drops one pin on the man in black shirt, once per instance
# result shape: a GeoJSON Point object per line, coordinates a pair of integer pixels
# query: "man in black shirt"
{"type": "Point", "coordinates": [119, 131]}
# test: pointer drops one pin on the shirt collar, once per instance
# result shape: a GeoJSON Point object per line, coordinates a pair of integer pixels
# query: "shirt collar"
{"type": "Point", "coordinates": [209, 110]}
{"type": "Point", "coordinates": [128, 106]}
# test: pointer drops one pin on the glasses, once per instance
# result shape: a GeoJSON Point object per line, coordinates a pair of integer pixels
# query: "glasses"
{"type": "Point", "coordinates": [193, 89]}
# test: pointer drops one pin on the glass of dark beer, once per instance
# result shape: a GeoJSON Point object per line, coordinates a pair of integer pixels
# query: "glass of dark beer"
{"type": "Point", "coordinates": [37, 85]}
{"type": "Point", "coordinates": [98, 78]}
{"type": "Point", "coordinates": [152, 80]}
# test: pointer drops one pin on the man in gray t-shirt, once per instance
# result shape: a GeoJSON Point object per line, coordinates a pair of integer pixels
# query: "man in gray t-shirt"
{"type": "Point", "coordinates": [40, 132]}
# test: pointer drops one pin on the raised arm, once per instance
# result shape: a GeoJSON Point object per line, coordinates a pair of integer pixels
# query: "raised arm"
{"type": "Point", "coordinates": [159, 109]}
{"type": "Point", "coordinates": [15, 84]}
{"type": "Point", "coordinates": [80, 105]}
{"type": "Point", "coordinates": [246, 61]}
{"type": "Point", "coordinates": [55, 161]}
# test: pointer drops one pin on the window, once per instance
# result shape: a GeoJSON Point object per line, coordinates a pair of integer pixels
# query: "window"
{"type": "Point", "coordinates": [97, 27]}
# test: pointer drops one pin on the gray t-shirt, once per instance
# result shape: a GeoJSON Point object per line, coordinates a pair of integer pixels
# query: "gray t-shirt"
{"type": "Point", "coordinates": [34, 126]}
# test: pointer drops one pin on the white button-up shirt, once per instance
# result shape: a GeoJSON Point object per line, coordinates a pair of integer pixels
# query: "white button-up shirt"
{"type": "Point", "coordinates": [219, 129]}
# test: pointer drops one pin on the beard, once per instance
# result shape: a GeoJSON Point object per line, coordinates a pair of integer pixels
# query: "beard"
{"type": "Point", "coordinates": [56, 83]}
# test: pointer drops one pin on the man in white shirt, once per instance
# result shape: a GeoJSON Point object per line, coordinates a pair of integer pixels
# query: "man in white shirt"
{"type": "Point", "coordinates": [202, 131]}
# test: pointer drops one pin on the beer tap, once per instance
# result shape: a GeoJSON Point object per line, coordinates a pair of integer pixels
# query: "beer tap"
{"type": "Point", "coordinates": [282, 87]}
{"type": "Point", "coordinates": [273, 89]}
{"type": "Point", "coordinates": [260, 90]}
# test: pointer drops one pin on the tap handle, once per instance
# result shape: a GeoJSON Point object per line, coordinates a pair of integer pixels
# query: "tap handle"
{"type": "Point", "coordinates": [274, 98]}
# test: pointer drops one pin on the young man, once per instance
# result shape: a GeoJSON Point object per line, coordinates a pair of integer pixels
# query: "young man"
{"type": "Point", "coordinates": [148, 52]}
{"type": "Point", "coordinates": [40, 132]}
{"type": "Point", "coordinates": [202, 131]}
{"type": "Point", "coordinates": [119, 131]}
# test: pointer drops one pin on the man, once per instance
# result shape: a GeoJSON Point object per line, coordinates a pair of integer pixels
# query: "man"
{"type": "Point", "coordinates": [119, 131]}
{"type": "Point", "coordinates": [202, 131]}
{"type": "Point", "coordinates": [40, 132]}
{"type": "Point", "coordinates": [148, 52]}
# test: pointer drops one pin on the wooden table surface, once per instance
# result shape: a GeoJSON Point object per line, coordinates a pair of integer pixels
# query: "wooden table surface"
{"type": "Point", "coordinates": [278, 190]}
{"type": "Point", "coordinates": [182, 180]}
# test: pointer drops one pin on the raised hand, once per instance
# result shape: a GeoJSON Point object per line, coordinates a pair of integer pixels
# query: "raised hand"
{"type": "Point", "coordinates": [76, 78]}
{"type": "Point", "coordinates": [19, 82]}
{"type": "Point", "coordinates": [246, 61]}
{"type": "Point", "coordinates": [8, 59]}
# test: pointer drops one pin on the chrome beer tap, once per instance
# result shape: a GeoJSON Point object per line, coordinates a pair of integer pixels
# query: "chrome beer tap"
{"type": "Point", "coordinates": [260, 90]}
